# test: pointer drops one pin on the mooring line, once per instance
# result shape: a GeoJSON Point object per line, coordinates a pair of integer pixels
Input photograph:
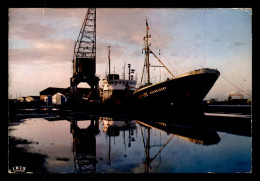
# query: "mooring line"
{"type": "Point", "coordinates": [235, 86]}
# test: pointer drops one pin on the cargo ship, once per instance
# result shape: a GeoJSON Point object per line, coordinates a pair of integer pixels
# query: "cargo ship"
{"type": "Point", "coordinates": [183, 92]}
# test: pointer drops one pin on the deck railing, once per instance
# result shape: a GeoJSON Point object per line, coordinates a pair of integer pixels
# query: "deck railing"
{"type": "Point", "coordinates": [165, 76]}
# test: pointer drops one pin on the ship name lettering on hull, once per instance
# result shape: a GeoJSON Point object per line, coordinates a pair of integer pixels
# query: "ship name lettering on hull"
{"type": "Point", "coordinates": [145, 94]}
{"type": "Point", "coordinates": [157, 90]}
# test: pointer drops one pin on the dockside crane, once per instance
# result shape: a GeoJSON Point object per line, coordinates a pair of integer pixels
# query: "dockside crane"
{"type": "Point", "coordinates": [84, 57]}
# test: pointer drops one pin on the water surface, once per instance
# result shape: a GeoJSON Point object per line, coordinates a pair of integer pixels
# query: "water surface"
{"type": "Point", "coordinates": [105, 145]}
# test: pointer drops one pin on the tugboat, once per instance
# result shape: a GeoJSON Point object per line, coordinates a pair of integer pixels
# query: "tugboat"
{"type": "Point", "coordinates": [116, 90]}
{"type": "Point", "coordinates": [184, 92]}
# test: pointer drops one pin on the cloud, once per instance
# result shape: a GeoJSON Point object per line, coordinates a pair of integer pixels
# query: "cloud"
{"type": "Point", "coordinates": [197, 36]}
{"type": "Point", "coordinates": [31, 31]}
{"type": "Point", "coordinates": [46, 14]}
{"type": "Point", "coordinates": [129, 28]}
{"type": "Point", "coordinates": [126, 28]}
{"type": "Point", "coordinates": [239, 44]}
{"type": "Point", "coordinates": [236, 44]}
{"type": "Point", "coordinates": [35, 24]}
{"type": "Point", "coordinates": [136, 53]}
{"type": "Point", "coordinates": [31, 39]}
{"type": "Point", "coordinates": [197, 45]}
{"type": "Point", "coordinates": [51, 33]}
{"type": "Point", "coordinates": [46, 52]}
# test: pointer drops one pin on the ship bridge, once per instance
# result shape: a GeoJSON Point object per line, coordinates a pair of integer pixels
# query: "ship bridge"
{"type": "Point", "coordinates": [113, 77]}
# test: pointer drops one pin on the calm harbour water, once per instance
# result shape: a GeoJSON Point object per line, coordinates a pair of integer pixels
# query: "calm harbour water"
{"type": "Point", "coordinates": [104, 145]}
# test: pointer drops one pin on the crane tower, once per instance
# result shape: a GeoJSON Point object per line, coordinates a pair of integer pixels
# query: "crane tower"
{"type": "Point", "coordinates": [84, 57]}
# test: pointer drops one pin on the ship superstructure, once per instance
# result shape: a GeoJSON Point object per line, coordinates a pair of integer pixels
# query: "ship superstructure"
{"type": "Point", "coordinates": [115, 88]}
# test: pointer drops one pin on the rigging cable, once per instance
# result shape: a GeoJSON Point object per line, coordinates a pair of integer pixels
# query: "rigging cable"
{"type": "Point", "coordinates": [163, 54]}
{"type": "Point", "coordinates": [204, 37]}
{"type": "Point", "coordinates": [164, 156]}
{"type": "Point", "coordinates": [235, 86]}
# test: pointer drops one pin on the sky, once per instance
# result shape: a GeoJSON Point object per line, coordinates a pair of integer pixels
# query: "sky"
{"type": "Point", "coordinates": [41, 42]}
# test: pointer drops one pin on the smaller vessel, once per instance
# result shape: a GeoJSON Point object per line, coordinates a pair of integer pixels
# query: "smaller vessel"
{"type": "Point", "coordinates": [113, 127]}
{"type": "Point", "coordinates": [115, 89]}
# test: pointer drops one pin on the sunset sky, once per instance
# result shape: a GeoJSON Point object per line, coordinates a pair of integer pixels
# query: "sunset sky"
{"type": "Point", "coordinates": [41, 43]}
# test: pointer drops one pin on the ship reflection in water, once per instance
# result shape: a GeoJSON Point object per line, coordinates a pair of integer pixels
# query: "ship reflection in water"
{"type": "Point", "coordinates": [104, 145]}
{"type": "Point", "coordinates": [197, 136]}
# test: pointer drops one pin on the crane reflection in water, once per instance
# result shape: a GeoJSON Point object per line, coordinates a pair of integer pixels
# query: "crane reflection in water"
{"type": "Point", "coordinates": [84, 140]}
{"type": "Point", "coordinates": [84, 145]}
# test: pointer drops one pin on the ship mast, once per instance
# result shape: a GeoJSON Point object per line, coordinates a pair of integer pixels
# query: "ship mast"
{"type": "Point", "coordinates": [108, 59]}
{"type": "Point", "coordinates": [147, 52]}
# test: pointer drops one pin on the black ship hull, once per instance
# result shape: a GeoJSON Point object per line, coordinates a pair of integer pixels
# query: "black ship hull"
{"type": "Point", "coordinates": [197, 135]}
{"type": "Point", "coordinates": [182, 93]}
